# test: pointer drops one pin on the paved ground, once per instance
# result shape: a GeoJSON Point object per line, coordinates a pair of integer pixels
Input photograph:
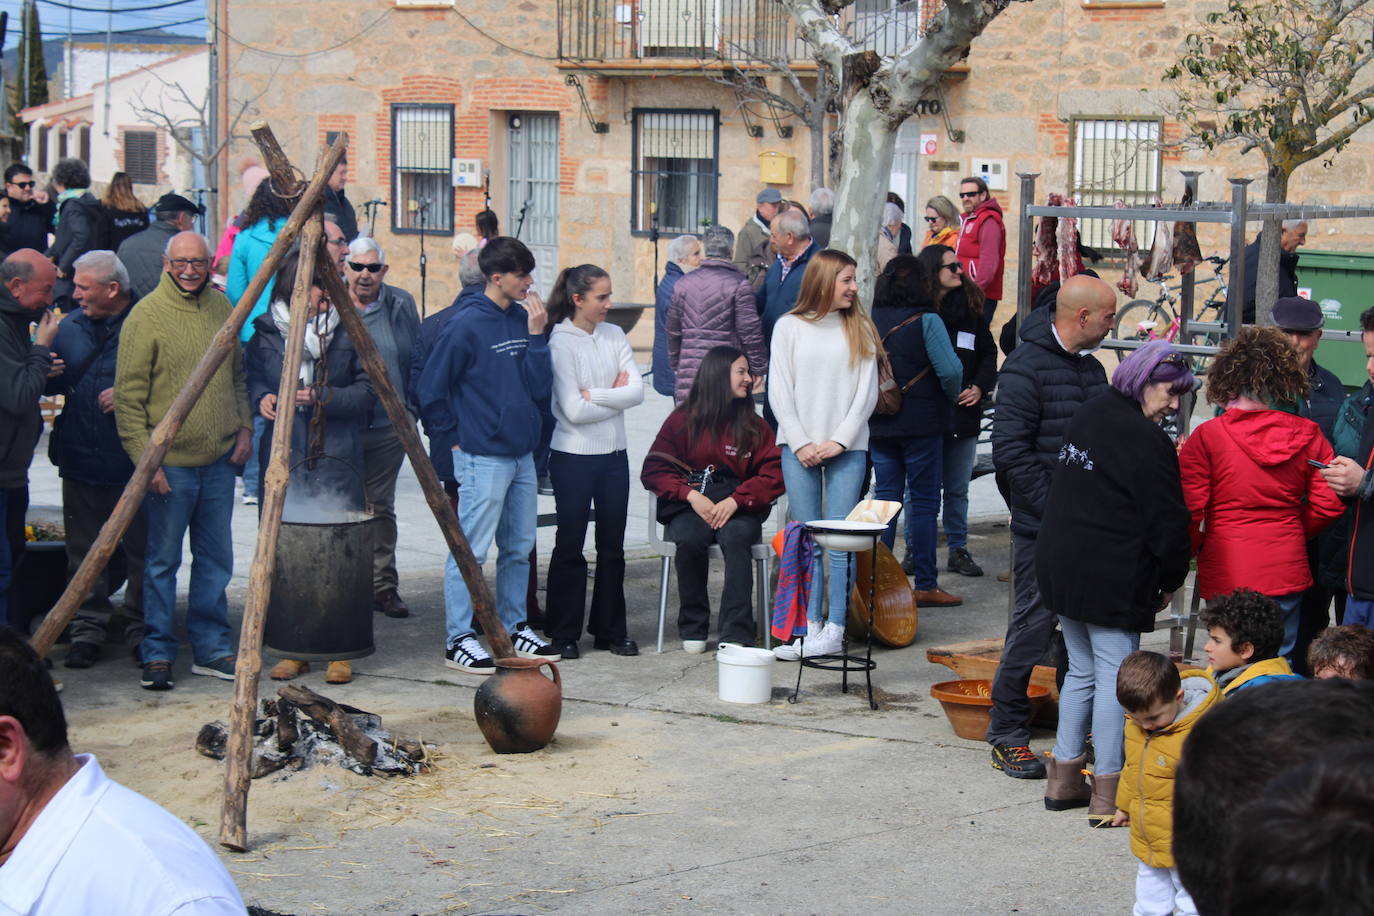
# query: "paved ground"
{"type": "Point", "coordinates": [654, 797]}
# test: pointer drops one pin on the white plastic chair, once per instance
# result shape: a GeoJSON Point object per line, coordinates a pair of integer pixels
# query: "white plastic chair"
{"type": "Point", "coordinates": [761, 553]}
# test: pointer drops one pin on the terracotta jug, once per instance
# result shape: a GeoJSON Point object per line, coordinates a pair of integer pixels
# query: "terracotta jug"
{"type": "Point", "coordinates": [518, 708]}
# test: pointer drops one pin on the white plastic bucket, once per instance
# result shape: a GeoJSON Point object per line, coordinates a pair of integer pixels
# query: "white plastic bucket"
{"type": "Point", "coordinates": [746, 675]}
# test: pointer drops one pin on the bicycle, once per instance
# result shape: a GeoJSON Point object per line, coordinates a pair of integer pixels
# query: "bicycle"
{"type": "Point", "coordinates": [1140, 319]}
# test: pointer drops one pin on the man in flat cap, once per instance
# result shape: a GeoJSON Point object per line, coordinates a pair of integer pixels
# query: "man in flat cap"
{"type": "Point", "coordinates": [141, 254]}
{"type": "Point", "coordinates": [1301, 320]}
{"type": "Point", "coordinates": [754, 233]}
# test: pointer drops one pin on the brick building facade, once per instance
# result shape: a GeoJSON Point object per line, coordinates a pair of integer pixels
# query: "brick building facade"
{"type": "Point", "coordinates": [1066, 88]}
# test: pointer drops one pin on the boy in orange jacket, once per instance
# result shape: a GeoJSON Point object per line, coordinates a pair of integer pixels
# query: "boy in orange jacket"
{"type": "Point", "coordinates": [1161, 708]}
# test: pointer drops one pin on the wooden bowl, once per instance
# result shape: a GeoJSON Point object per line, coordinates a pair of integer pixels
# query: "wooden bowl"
{"type": "Point", "coordinates": [968, 705]}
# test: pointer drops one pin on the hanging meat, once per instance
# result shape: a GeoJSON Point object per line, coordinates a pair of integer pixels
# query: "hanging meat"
{"type": "Point", "coordinates": [1045, 267]}
{"type": "Point", "coordinates": [1187, 253]}
{"type": "Point", "coordinates": [1161, 259]}
{"type": "Point", "coordinates": [1066, 234]}
{"type": "Point", "coordinates": [1123, 234]}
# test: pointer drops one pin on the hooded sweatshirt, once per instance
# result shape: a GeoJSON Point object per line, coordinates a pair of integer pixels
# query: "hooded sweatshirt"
{"type": "Point", "coordinates": [1255, 500]}
{"type": "Point", "coordinates": [484, 379]}
{"type": "Point", "coordinates": [250, 250]}
{"type": "Point", "coordinates": [1146, 788]}
{"type": "Point", "coordinates": [591, 362]}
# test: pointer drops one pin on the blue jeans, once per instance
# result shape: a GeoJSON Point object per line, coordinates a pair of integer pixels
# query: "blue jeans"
{"type": "Point", "coordinates": [959, 457]}
{"type": "Point", "coordinates": [843, 478]}
{"type": "Point", "coordinates": [201, 500]}
{"type": "Point", "coordinates": [1291, 608]}
{"type": "Point", "coordinates": [1359, 611]}
{"type": "Point", "coordinates": [498, 502]}
{"type": "Point", "coordinates": [250, 467]}
{"type": "Point", "coordinates": [1088, 697]}
{"type": "Point", "coordinates": [912, 467]}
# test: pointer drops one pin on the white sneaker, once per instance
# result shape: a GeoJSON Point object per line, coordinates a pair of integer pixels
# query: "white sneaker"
{"type": "Point", "coordinates": [790, 652]}
{"type": "Point", "coordinates": [694, 646]}
{"type": "Point", "coordinates": [528, 644]}
{"type": "Point", "coordinates": [828, 640]}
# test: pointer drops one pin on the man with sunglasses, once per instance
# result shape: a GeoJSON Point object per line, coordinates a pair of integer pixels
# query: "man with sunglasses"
{"type": "Point", "coordinates": [982, 247]}
{"type": "Point", "coordinates": [394, 322]}
{"type": "Point", "coordinates": [29, 220]}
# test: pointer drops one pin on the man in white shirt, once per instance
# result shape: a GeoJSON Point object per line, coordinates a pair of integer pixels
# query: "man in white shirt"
{"type": "Point", "coordinates": [74, 841]}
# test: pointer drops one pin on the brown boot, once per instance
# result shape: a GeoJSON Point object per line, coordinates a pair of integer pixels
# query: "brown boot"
{"type": "Point", "coordinates": [1102, 808]}
{"type": "Point", "coordinates": [338, 672]}
{"type": "Point", "coordinates": [936, 597]}
{"type": "Point", "coordinates": [1067, 788]}
{"type": "Point", "coordinates": [288, 668]}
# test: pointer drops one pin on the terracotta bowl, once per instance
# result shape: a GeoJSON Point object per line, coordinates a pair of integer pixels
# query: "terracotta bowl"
{"type": "Point", "coordinates": [968, 704]}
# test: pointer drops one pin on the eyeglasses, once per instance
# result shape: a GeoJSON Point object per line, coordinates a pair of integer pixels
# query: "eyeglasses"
{"type": "Point", "coordinates": [184, 263]}
{"type": "Point", "coordinates": [967, 194]}
{"type": "Point", "coordinates": [23, 184]}
{"type": "Point", "coordinates": [930, 219]}
{"type": "Point", "coordinates": [952, 267]}
{"type": "Point", "coordinates": [370, 268]}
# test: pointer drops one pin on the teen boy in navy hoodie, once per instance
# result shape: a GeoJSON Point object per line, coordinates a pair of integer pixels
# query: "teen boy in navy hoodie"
{"type": "Point", "coordinates": [485, 375]}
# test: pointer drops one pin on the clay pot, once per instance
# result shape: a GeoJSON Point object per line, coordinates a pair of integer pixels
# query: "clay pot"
{"type": "Point", "coordinates": [518, 708]}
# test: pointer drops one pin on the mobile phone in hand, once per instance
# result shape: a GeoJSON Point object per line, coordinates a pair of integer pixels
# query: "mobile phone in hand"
{"type": "Point", "coordinates": [1317, 464]}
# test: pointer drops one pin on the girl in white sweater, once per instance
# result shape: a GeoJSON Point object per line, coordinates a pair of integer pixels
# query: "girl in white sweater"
{"type": "Point", "coordinates": [595, 380]}
{"type": "Point", "coordinates": [822, 386]}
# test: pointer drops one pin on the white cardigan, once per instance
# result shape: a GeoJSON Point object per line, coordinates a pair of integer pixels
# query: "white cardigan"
{"type": "Point", "coordinates": [591, 362]}
{"type": "Point", "coordinates": [815, 393]}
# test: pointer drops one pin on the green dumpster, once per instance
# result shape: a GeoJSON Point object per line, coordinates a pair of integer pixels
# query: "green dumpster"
{"type": "Point", "coordinates": [1342, 283]}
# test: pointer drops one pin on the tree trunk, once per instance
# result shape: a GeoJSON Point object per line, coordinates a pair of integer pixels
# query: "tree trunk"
{"type": "Point", "coordinates": [817, 128]}
{"type": "Point", "coordinates": [869, 144]}
{"type": "Point", "coordinates": [1267, 277]}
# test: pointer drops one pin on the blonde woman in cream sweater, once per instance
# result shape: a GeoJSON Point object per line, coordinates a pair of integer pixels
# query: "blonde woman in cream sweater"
{"type": "Point", "coordinates": [595, 380]}
{"type": "Point", "coordinates": [822, 387]}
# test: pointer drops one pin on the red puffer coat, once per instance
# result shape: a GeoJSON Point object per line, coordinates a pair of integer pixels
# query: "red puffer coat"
{"type": "Point", "coordinates": [1255, 500]}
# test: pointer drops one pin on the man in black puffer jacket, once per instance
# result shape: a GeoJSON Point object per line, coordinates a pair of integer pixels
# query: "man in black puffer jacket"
{"type": "Point", "coordinates": [1041, 385]}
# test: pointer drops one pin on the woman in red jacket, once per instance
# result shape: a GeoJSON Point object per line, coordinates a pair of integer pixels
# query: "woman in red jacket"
{"type": "Point", "coordinates": [1248, 480]}
{"type": "Point", "coordinates": [716, 428]}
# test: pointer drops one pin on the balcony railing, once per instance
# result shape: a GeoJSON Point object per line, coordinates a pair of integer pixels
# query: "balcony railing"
{"type": "Point", "coordinates": [732, 31]}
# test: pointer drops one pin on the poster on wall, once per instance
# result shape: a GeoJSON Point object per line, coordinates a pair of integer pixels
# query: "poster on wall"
{"type": "Point", "coordinates": [929, 146]}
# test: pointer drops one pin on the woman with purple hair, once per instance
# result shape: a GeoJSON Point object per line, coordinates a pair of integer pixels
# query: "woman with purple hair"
{"type": "Point", "coordinates": [1112, 549]}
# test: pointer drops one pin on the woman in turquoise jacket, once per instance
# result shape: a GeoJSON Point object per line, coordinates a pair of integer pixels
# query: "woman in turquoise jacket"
{"type": "Point", "coordinates": [262, 219]}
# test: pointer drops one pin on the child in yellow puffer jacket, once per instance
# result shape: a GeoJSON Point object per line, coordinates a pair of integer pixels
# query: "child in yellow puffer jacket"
{"type": "Point", "coordinates": [1161, 708]}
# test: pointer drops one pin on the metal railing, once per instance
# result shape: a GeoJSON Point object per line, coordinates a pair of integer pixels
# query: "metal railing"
{"type": "Point", "coordinates": [732, 31]}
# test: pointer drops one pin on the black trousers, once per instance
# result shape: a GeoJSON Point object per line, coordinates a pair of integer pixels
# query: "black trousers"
{"type": "Point", "coordinates": [85, 508]}
{"type": "Point", "coordinates": [579, 483]}
{"type": "Point", "coordinates": [693, 536]}
{"type": "Point", "coordinates": [1029, 636]}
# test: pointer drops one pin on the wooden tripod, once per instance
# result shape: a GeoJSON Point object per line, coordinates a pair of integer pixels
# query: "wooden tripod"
{"type": "Point", "coordinates": [305, 221]}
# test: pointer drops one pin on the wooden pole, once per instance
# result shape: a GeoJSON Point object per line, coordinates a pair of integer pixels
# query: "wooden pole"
{"type": "Point", "coordinates": [225, 342]}
{"type": "Point", "coordinates": [233, 823]}
{"type": "Point", "coordinates": [483, 607]}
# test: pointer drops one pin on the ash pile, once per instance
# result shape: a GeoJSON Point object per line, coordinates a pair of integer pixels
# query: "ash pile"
{"type": "Point", "coordinates": [301, 728]}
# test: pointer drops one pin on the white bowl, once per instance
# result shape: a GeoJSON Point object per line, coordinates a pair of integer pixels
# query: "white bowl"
{"type": "Point", "coordinates": [847, 536]}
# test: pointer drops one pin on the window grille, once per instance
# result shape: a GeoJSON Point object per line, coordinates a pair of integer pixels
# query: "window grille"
{"type": "Point", "coordinates": [1115, 159]}
{"type": "Point", "coordinates": [675, 170]}
{"type": "Point", "coordinates": [140, 156]}
{"type": "Point", "coordinates": [421, 168]}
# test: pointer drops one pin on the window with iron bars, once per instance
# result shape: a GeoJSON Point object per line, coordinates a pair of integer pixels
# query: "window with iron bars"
{"type": "Point", "coordinates": [1114, 158]}
{"type": "Point", "coordinates": [675, 169]}
{"type": "Point", "coordinates": [421, 168]}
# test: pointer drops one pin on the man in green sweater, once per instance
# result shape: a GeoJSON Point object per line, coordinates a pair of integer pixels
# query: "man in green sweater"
{"type": "Point", "coordinates": [163, 340]}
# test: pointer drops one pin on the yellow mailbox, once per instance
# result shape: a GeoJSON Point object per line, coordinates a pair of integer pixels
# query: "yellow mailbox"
{"type": "Point", "coordinates": [776, 167]}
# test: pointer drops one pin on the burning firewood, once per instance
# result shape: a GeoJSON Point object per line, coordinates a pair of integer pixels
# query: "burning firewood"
{"type": "Point", "coordinates": [302, 727]}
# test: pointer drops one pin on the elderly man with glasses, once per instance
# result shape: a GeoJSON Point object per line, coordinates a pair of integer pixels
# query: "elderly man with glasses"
{"type": "Point", "coordinates": [393, 321]}
{"type": "Point", "coordinates": [25, 215]}
{"type": "Point", "coordinates": [163, 340]}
